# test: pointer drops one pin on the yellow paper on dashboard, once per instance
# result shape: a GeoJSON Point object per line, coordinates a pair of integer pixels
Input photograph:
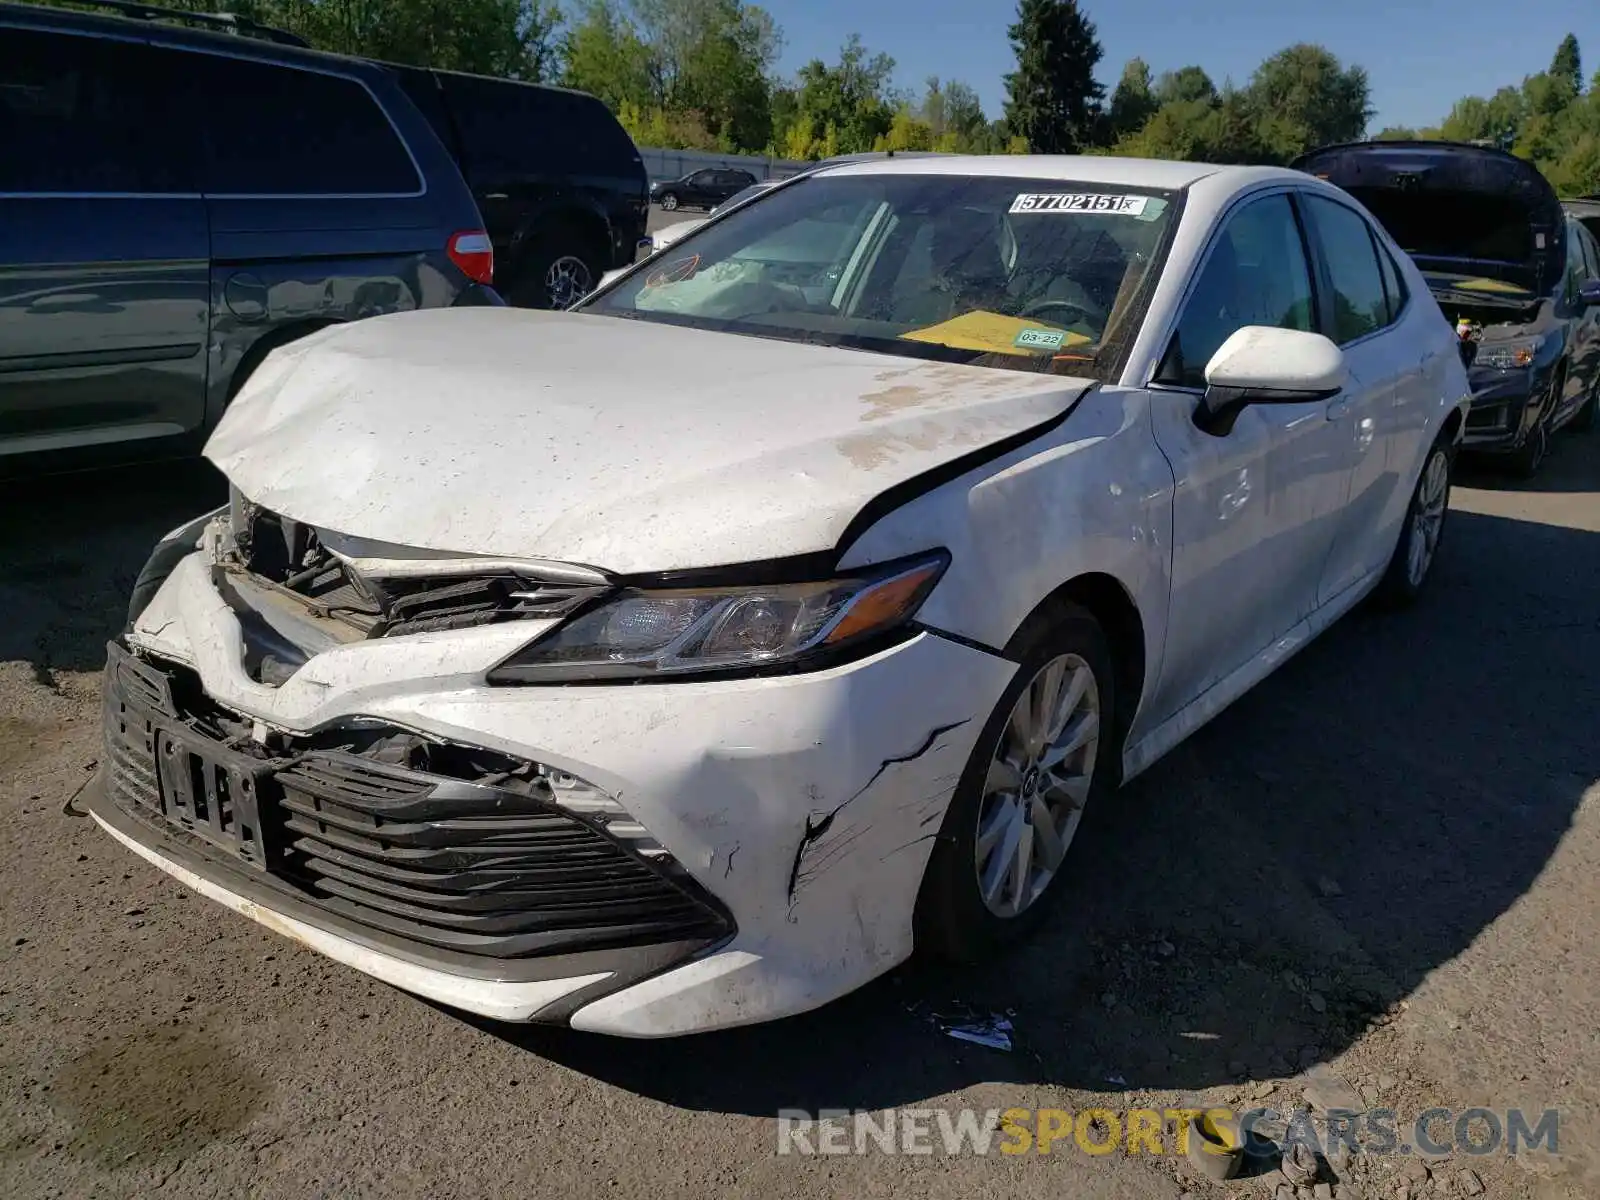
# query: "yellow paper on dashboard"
{"type": "Point", "coordinates": [996, 333]}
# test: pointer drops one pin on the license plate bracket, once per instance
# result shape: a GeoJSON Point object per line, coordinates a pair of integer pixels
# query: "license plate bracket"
{"type": "Point", "coordinates": [219, 795]}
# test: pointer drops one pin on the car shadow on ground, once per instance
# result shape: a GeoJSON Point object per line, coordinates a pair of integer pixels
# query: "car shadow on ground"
{"type": "Point", "coordinates": [71, 547]}
{"type": "Point", "coordinates": [1254, 901]}
{"type": "Point", "coordinates": [1569, 467]}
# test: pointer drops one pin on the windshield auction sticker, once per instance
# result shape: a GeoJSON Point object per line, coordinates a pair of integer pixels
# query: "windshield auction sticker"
{"type": "Point", "coordinates": [1079, 202]}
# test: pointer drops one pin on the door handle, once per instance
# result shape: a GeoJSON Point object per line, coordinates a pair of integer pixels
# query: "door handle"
{"type": "Point", "coordinates": [1338, 407]}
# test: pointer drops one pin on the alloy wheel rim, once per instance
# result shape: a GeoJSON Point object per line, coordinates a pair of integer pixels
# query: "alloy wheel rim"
{"type": "Point", "coordinates": [567, 281]}
{"type": "Point", "coordinates": [669, 202]}
{"type": "Point", "coordinates": [1037, 785]}
{"type": "Point", "coordinates": [1427, 516]}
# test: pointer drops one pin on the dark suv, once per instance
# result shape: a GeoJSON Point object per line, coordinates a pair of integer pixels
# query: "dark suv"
{"type": "Point", "coordinates": [701, 189]}
{"type": "Point", "coordinates": [175, 202]}
{"type": "Point", "coordinates": [1518, 278]}
{"type": "Point", "coordinates": [559, 182]}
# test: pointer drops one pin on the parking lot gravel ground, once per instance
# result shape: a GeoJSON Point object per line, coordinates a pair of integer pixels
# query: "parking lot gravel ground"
{"type": "Point", "coordinates": [1385, 859]}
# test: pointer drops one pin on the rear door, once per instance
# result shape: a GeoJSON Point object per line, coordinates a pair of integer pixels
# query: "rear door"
{"type": "Point", "coordinates": [103, 246]}
{"type": "Point", "coordinates": [319, 211]}
{"type": "Point", "coordinates": [1356, 314]}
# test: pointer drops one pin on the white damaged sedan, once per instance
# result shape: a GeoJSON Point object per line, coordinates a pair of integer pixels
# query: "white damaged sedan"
{"type": "Point", "coordinates": [690, 658]}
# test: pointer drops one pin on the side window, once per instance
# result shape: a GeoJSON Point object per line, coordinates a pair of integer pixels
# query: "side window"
{"type": "Point", "coordinates": [1359, 303]}
{"type": "Point", "coordinates": [290, 132]}
{"type": "Point", "coordinates": [80, 114]}
{"type": "Point", "coordinates": [1591, 265]}
{"type": "Point", "coordinates": [1576, 271]}
{"type": "Point", "coordinates": [1255, 274]}
{"type": "Point", "coordinates": [517, 130]}
{"type": "Point", "coordinates": [1394, 284]}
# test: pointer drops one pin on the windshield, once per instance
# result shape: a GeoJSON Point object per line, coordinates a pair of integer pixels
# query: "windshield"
{"type": "Point", "coordinates": [744, 194]}
{"type": "Point", "coordinates": [1022, 273]}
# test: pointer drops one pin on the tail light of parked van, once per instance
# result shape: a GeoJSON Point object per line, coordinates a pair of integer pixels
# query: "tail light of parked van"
{"type": "Point", "coordinates": [473, 252]}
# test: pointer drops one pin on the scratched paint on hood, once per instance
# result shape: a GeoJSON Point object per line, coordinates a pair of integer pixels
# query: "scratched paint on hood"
{"type": "Point", "coordinates": [629, 445]}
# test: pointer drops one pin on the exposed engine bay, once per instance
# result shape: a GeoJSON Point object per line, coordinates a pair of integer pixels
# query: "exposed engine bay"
{"type": "Point", "coordinates": [296, 595]}
{"type": "Point", "coordinates": [1496, 320]}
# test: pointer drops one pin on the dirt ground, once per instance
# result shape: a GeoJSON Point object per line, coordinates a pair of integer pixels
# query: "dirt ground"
{"type": "Point", "coordinates": [1385, 859]}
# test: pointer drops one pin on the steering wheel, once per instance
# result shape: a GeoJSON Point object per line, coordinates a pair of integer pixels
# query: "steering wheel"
{"type": "Point", "coordinates": [1039, 307]}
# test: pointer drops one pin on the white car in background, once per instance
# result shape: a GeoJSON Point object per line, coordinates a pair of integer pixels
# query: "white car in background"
{"type": "Point", "coordinates": [661, 238]}
{"type": "Point", "coordinates": [688, 659]}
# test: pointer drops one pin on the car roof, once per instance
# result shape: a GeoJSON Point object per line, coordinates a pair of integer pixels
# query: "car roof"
{"type": "Point", "coordinates": [174, 33]}
{"type": "Point", "coordinates": [1100, 169]}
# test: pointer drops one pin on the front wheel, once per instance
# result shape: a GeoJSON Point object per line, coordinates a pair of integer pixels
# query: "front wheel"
{"type": "Point", "coordinates": [1584, 419]}
{"type": "Point", "coordinates": [1526, 461]}
{"type": "Point", "coordinates": [1423, 530]}
{"type": "Point", "coordinates": [1047, 749]}
{"type": "Point", "coordinates": [669, 202]}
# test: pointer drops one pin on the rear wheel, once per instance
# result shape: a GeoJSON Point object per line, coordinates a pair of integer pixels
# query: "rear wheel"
{"type": "Point", "coordinates": [1046, 751]}
{"type": "Point", "coordinates": [1412, 563]}
{"type": "Point", "coordinates": [557, 271]}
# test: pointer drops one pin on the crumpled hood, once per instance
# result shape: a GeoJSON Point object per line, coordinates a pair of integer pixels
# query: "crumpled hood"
{"type": "Point", "coordinates": [627, 445]}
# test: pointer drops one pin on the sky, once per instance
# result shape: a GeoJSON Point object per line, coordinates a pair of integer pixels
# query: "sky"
{"type": "Point", "coordinates": [1420, 55]}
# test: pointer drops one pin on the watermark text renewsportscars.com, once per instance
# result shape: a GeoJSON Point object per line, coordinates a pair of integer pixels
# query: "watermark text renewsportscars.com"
{"type": "Point", "coordinates": [1101, 1131]}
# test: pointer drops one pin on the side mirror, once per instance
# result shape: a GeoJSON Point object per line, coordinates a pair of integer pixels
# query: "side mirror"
{"type": "Point", "coordinates": [1260, 364]}
{"type": "Point", "coordinates": [1589, 293]}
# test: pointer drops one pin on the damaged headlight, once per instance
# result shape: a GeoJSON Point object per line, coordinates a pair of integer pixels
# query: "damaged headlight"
{"type": "Point", "coordinates": [643, 633]}
{"type": "Point", "coordinates": [1507, 356]}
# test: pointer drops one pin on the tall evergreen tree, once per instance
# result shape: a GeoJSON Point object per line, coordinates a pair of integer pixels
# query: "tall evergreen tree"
{"type": "Point", "coordinates": [1567, 66]}
{"type": "Point", "coordinates": [1052, 98]}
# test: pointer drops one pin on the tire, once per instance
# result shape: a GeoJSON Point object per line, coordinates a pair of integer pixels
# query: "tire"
{"type": "Point", "coordinates": [1526, 461]}
{"type": "Point", "coordinates": [953, 918]}
{"type": "Point", "coordinates": [1426, 516]}
{"type": "Point", "coordinates": [669, 201]}
{"type": "Point", "coordinates": [558, 270]}
{"type": "Point", "coordinates": [1583, 420]}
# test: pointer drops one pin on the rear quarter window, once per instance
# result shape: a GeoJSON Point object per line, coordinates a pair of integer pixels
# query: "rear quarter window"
{"type": "Point", "coordinates": [287, 131]}
{"type": "Point", "coordinates": [513, 129]}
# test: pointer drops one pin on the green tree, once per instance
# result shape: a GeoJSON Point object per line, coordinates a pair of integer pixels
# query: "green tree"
{"type": "Point", "coordinates": [954, 116]}
{"type": "Point", "coordinates": [849, 106]}
{"type": "Point", "coordinates": [605, 56]}
{"type": "Point", "coordinates": [1497, 120]}
{"type": "Point", "coordinates": [1186, 83]}
{"type": "Point", "coordinates": [1133, 101]}
{"type": "Point", "coordinates": [1052, 98]}
{"type": "Point", "coordinates": [1566, 68]}
{"type": "Point", "coordinates": [1303, 98]}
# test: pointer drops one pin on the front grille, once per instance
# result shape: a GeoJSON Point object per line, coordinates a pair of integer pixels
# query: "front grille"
{"type": "Point", "coordinates": [135, 693]}
{"type": "Point", "coordinates": [488, 865]}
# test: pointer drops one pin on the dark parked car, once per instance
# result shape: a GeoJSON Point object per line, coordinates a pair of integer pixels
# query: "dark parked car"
{"type": "Point", "coordinates": [1516, 275]}
{"type": "Point", "coordinates": [701, 189]}
{"type": "Point", "coordinates": [560, 183]}
{"type": "Point", "coordinates": [176, 202]}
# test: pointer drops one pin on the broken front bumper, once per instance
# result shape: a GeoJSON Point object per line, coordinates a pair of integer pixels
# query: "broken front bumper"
{"type": "Point", "coordinates": [794, 816]}
{"type": "Point", "coordinates": [1505, 408]}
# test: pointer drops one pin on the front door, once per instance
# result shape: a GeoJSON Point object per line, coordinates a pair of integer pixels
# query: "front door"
{"type": "Point", "coordinates": [1253, 508]}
